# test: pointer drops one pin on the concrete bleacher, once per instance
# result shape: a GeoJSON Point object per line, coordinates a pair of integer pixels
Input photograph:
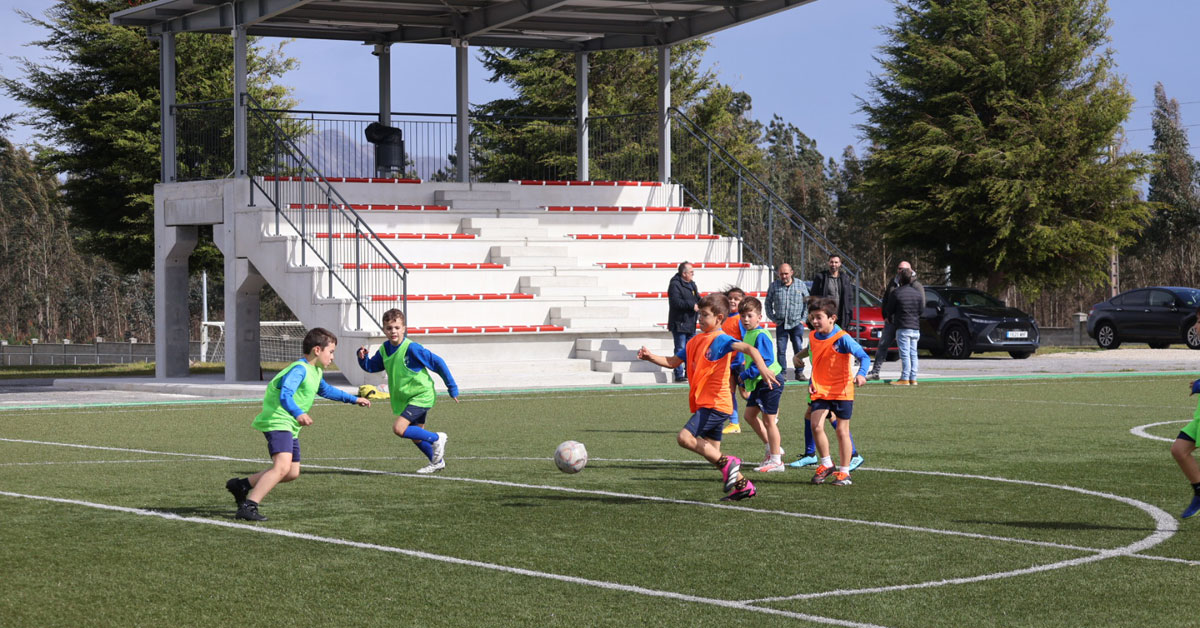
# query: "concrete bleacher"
{"type": "Point", "coordinates": [517, 284]}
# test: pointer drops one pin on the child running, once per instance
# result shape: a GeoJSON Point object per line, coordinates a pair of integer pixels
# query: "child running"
{"type": "Point", "coordinates": [411, 387]}
{"type": "Point", "coordinates": [708, 356]}
{"type": "Point", "coordinates": [761, 399]}
{"type": "Point", "coordinates": [1185, 444]}
{"type": "Point", "coordinates": [810, 459]}
{"type": "Point", "coordinates": [832, 388]}
{"type": "Point", "coordinates": [286, 403]}
{"type": "Point", "coordinates": [733, 327]}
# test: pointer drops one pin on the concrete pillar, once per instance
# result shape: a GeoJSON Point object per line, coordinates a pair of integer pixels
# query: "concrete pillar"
{"type": "Point", "coordinates": [172, 324]}
{"type": "Point", "coordinates": [664, 117]}
{"type": "Point", "coordinates": [384, 52]}
{"type": "Point", "coordinates": [581, 115]}
{"type": "Point", "coordinates": [240, 102]}
{"type": "Point", "coordinates": [462, 111]}
{"type": "Point", "coordinates": [166, 84]}
{"type": "Point", "coordinates": [242, 286]}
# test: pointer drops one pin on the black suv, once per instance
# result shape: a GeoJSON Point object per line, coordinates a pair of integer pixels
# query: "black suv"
{"type": "Point", "coordinates": [1160, 316]}
{"type": "Point", "coordinates": [960, 321]}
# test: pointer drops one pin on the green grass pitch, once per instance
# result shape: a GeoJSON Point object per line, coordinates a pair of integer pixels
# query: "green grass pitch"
{"type": "Point", "coordinates": [1024, 502]}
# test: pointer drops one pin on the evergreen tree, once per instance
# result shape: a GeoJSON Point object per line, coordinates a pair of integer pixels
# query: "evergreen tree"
{"type": "Point", "coordinates": [992, 123]}
{"type": "Point", "coordinates": [1174, 179]}
{"type": "Point", "coordinates": [97, 106]}
{"type": "Point", "coordinates": [798, 172]}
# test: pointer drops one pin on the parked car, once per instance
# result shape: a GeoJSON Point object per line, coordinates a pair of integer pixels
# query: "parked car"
{"type": "Point", "coordinates": [1160, 316]}
{"type": "Point", "coordinates": [960, 321]}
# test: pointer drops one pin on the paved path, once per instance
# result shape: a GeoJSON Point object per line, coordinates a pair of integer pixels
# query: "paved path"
{"type": "Point", "coordinates": [123, 390]}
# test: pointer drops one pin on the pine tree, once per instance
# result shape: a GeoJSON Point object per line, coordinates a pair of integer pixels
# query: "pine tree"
{"type": "Point", "coordinates": [96, 104]}
{"type": "Point", "coordinates": [1174, 180]}
{"type": "Point", "coordinates": [991, 125]}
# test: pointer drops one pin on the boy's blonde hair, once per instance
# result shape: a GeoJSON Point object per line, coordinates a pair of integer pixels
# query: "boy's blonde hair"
{"type": "Point", "coordinates": [394, 315]}
{"type": "Point", "coordinates": [317, 337]}
{"type": "Point", "coordinates": [750, 304]}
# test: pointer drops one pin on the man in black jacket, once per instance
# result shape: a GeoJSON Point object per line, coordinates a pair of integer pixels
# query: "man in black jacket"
{"type": "Point", "coordinates": [682, 297]}
{"type": "Point", "coordinates": [888, 336]}
{"type": "Point", "coordinates": [835, 284]}
{"type": "Point", "coordinates": [903, 307]}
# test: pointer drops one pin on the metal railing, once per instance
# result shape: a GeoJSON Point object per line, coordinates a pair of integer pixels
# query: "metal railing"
{"type": "Point", "coordinates": [357, 264]}
{"type": "Point", "coordinates": [322, 144]}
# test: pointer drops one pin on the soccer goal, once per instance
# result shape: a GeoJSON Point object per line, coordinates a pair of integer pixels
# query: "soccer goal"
{"type": "Point", "coordinates": [278, 341]}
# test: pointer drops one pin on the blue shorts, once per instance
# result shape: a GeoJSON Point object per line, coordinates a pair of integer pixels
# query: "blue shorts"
{"type": "Point", "coordinates": [283, 441]}
{"type": "Point", "coordinates": [415, 415]}
{"type": "Point", "coordinates": [707, 423]}
{"type": "Point", "coordinates": [767, 399]}
{"type": "Point", "coordinates": [842, 409]}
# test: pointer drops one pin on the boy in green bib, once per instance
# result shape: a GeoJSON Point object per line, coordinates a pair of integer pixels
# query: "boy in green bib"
{"type": "Point", "coordinates": [762, 402]}
{"type": "Point", "coordinates": [286, 403]}
{"type": "Point", "coordinates": [411, 387]}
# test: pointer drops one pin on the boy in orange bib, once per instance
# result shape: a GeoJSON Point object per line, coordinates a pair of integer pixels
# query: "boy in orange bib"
{"type": "Point", "coordinates": [832, 388]}
{"type": "Point", "coordinates": [708, 356]}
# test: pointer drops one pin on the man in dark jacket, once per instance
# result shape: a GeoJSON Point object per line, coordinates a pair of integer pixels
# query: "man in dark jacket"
{"type": "Point", "coordinates": [903, 307]}
{"type": "Point", "coordinates": [888, 336]}
{"type": "Point", "coordinates": [835, 284]}
{"type": "Point", "coordinates": [682, 297]}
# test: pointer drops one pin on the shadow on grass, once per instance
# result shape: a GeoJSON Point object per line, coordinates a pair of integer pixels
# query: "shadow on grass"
{"type": "Point", "coordinates": [633, 431]}
{"type": "Point", "coordinates": [1057, 525]}
{"type": "Point", "coordinates": [208, 512]}
{"type": "Point", "coordinates": [529, 501]}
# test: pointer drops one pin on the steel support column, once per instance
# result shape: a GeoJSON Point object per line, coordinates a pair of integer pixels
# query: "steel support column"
{"type": "Point", "coordinates": [664, 117]}
{"type": "Point", "coordinates": [462, 112]}
{"type": "Point", "coordinates": [581, 116]}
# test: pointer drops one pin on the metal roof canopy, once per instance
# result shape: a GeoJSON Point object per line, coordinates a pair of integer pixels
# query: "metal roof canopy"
{"type": "Point", "coordinates": [575, 25]}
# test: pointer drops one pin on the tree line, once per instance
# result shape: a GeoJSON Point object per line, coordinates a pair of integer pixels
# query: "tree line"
{"type": "Point", "coordinates": [995, 158]}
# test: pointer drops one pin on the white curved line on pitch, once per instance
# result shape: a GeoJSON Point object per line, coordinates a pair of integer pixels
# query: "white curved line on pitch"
{"type": "Point", "coordinates": [1165, 528]}
{"type": "Point", "coordinates": [600, 584]}
{"type": "Point", "coordinates": [1141, 430]}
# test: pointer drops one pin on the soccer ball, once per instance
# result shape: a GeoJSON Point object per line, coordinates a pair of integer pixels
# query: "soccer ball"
{"type": "Point", "coordinates": [571, 457]}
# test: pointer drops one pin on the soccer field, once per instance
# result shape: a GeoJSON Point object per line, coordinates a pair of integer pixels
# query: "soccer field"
{"type": "Point", "coordinates": [1027, 502]}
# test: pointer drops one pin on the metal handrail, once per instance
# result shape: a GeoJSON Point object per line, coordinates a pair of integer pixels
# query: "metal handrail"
{"type": "Point", "coordinates": [337, 211]}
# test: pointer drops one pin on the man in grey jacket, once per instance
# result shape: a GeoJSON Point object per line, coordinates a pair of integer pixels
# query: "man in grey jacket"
{"type": "Point", "coordinates": [888, 336]}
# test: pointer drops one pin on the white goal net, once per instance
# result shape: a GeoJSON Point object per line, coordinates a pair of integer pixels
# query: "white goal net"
{"type": "Point", "coordinates": [278, 341]}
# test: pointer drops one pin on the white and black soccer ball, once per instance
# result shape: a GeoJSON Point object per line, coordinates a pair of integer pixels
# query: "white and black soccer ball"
{"type": "Point", "coordinates": [571, 457]}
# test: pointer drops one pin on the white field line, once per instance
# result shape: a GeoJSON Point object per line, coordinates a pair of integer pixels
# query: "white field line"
{"type": "Point", "coordinates": [1165, 528]}
{"type": "Point", "coordinates": [1141, 430]}
{"type": "Point", "coordinates": [599, 584]}
{"type": "Point", "coordinates": [1165, 525]}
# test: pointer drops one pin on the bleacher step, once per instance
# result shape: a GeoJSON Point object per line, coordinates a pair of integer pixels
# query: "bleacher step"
{"type": "Point", "coordinates": [663, 376]}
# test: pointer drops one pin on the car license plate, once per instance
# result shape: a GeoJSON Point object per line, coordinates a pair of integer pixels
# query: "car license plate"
{"type": "Point", "coordinates": [876, 333]}
{"type": "Point", "coordinates": [1016, 334]}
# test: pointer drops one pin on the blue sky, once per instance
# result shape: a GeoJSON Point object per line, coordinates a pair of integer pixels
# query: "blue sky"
{"type": "Point", "coordinates": [806, 64]}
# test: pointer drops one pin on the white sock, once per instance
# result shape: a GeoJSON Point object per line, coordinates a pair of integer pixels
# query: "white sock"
{"type": "Point", "coordinates": [827, 461]}
{"type": "Point", "coordinates": [845, 470]}
{"type": "Point", "coordinates": [776, 458]}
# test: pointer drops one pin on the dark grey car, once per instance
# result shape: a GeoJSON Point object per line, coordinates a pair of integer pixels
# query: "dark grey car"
{"type": "Point", "coordinates": [1160, 316]}
{"type": "Point", "coordinates": [960, 321]}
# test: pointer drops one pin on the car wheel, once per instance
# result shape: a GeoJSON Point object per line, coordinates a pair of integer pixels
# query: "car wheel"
{"type": "Point", "coordinates": [956, 342]}
{"type": "Point", "coordinates": [1192, 338]}
{"type": "Point", "coordinates": [1020, 355]}
{"type": "Point", "coordinates": [1160, 345]}
{"type": "Point", "coordinates": [1106, 336]}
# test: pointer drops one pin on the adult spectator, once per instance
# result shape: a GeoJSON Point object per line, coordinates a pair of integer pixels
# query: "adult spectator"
{"type": "Point", "coordinates": [682, 299]}
{"type": "Point", "coordinates": [903, 307]}
{"type": "Point", "coordinates": [888, 336]}
{"type": "Point", "coordinates": [835, 284]}
{"type": "Point", "coordinates": [787, 307]}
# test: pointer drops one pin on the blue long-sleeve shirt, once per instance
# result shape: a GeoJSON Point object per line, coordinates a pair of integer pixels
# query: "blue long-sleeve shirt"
{"type": "Point", "coordinates": [291, 381]}
{"type": "Point", "coordinates": [418, 357]}
{"type": "Point", "coordinates": [846, 344]}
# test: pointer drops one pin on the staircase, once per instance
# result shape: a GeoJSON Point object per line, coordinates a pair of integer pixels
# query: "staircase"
{"type": "Point", "coordinates": [516, 285]}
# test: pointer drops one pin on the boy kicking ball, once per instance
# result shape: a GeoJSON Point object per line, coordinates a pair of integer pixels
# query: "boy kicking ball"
{"type": "Point", "coordinates": [708, 356]}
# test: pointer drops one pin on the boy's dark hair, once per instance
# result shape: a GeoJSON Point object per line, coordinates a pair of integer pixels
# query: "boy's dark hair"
{"type": "Point", "coordinates": [318, 337]}
{"type": "Point", "coordinates": [749, 304]}
{"type": "Point", "coordinates": [823, 304]}
{"type": "Point", "coordinates": [394, 315]}
{"type": "Point", "coordinates": [730, 290]}
{"type": "Point", "coordinates": [717, 303]}
{"type": "Point", "coordinates": [905, 275]}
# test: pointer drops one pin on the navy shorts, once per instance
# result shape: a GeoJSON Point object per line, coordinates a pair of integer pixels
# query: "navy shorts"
{"type": "Point", "coordinates": [415, 415]}
{"type": "Point", "coordinates": [707, 423]}
{"type": "Point", "coordinates": [842, 409]}
{"type": "Point", "coordinates": [283, 441]}
{"type": "Point", "coordinates": [767, 399]}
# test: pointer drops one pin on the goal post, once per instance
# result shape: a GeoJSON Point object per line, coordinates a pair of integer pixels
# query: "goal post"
{"type": "Point", "coordinates": [278, 341]}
